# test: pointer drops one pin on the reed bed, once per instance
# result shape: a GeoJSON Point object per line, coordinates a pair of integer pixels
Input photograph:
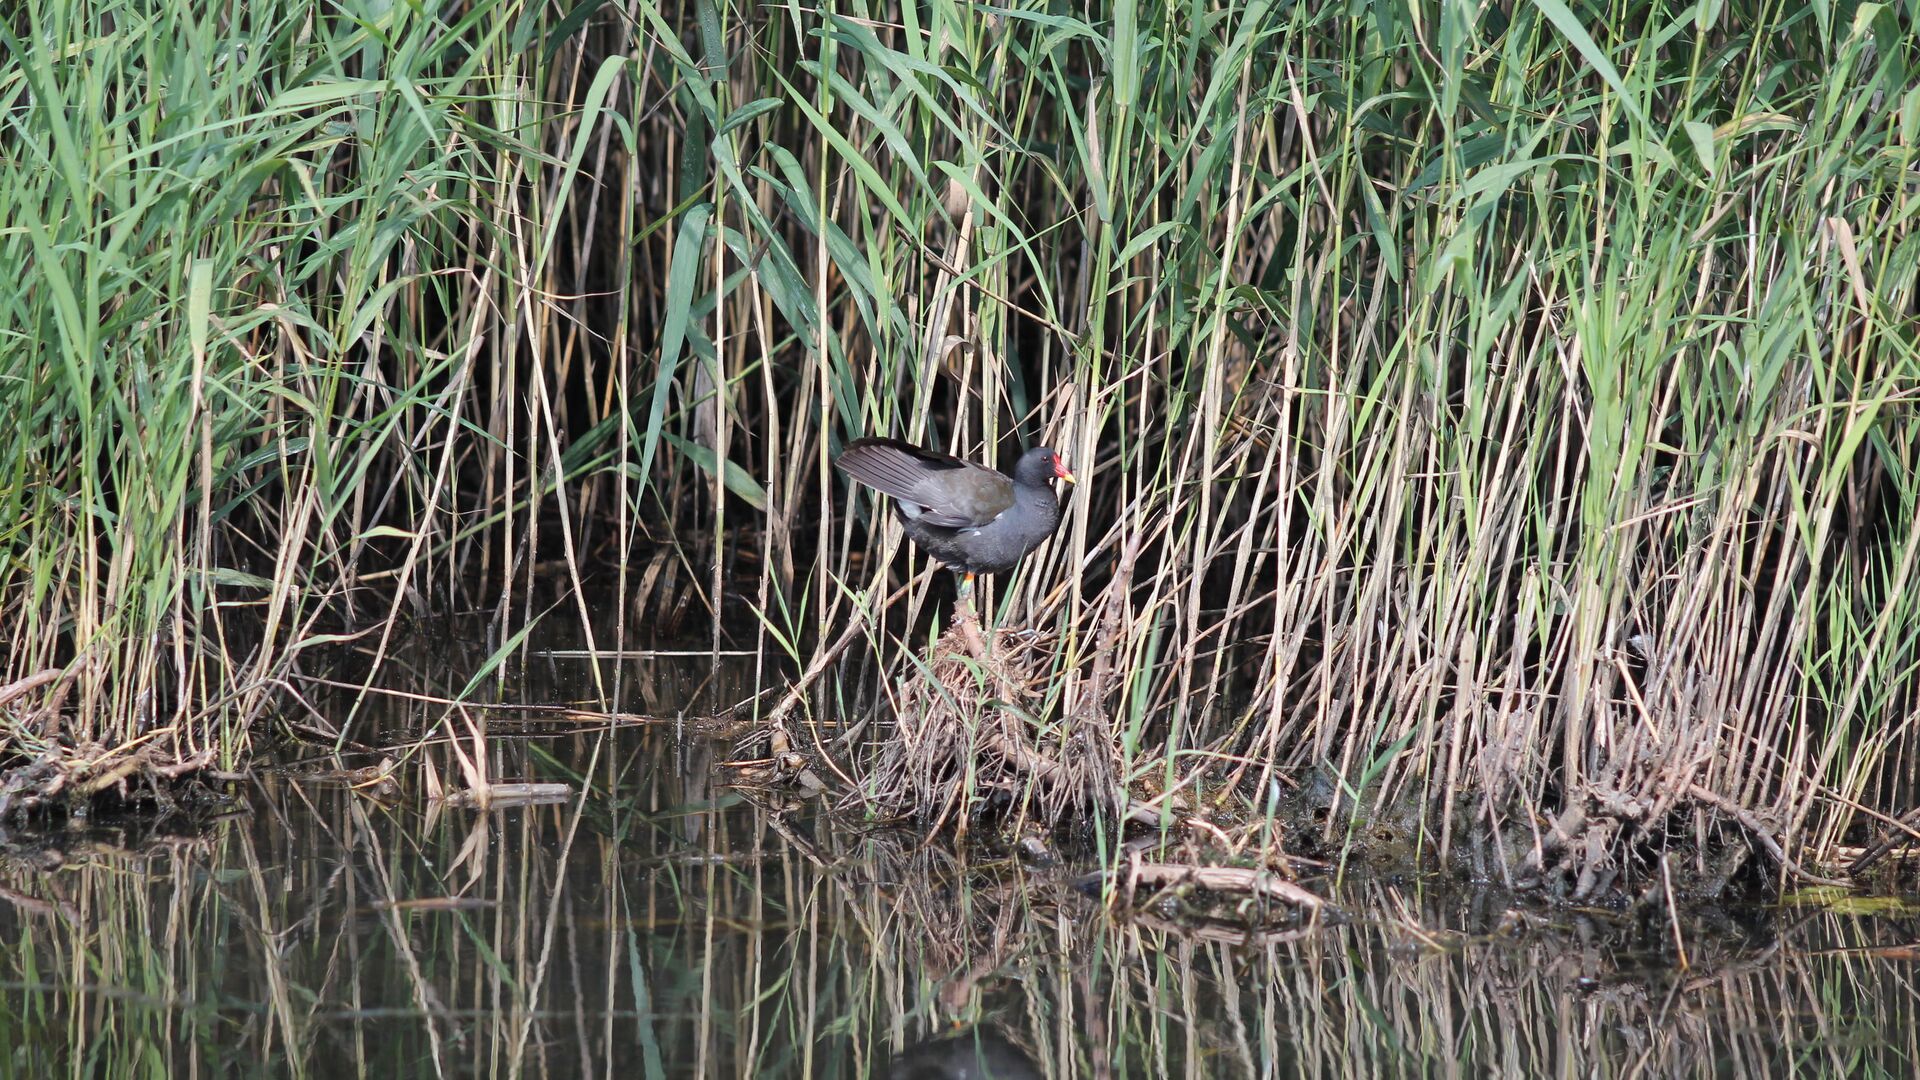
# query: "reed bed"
{"type": "Point", "coordinates": [1506, 411]}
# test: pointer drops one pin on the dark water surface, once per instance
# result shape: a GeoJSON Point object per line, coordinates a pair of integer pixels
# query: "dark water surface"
{"type": "Point", "coordinates": [668, 925]}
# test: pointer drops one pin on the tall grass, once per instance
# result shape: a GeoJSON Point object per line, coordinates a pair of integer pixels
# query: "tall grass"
{"type": "Point", "coordinates": [1501, 411]}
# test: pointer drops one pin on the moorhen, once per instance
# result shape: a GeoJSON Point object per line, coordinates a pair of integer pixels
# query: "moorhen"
{"type": "Point", "coordinates": [974, 519]}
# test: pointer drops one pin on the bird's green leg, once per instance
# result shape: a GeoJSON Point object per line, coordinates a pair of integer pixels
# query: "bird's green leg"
{"type": "Point", "coordinates": [967, 619]}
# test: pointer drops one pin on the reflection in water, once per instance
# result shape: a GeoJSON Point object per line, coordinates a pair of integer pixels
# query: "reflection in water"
{"type": "Point", "coordinates": [982, 1054]}
{"type": "Point", "coordinates": [669, 926]}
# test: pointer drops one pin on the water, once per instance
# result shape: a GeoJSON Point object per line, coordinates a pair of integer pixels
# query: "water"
{"type": "Point", "coordinates": [668, 925]}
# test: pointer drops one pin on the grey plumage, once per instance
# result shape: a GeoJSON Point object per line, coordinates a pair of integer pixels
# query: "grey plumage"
{"type": "Point", "coordinates": [972, 518]}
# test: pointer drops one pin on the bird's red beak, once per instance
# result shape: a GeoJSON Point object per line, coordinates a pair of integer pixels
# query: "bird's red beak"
{"type": "Point", "coordinates": [1060, 470]}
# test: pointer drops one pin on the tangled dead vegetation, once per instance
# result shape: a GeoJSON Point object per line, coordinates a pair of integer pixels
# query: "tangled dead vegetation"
{"type": "Point", "coordinates": [61, 776]}
{"type": "Point", "coordinates": [51, 768]}
{"type": "Point", "coordinates": [979, 731]}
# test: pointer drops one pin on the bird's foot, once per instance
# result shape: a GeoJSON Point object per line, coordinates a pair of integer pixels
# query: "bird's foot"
{"type": "Point", "coordinates": [967, 618]}
{"type": "Point", "coordinates": [970, 633]}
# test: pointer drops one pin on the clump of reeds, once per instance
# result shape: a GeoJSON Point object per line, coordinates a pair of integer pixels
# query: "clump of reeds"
{"type": "Point", "coordinates": [1519, 427]}
{"type": "Point", "coordinates": [973, 735]}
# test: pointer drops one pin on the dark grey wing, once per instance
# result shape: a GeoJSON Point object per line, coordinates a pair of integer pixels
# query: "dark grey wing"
{"type": "Point", "coordinates": [951, 493]}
